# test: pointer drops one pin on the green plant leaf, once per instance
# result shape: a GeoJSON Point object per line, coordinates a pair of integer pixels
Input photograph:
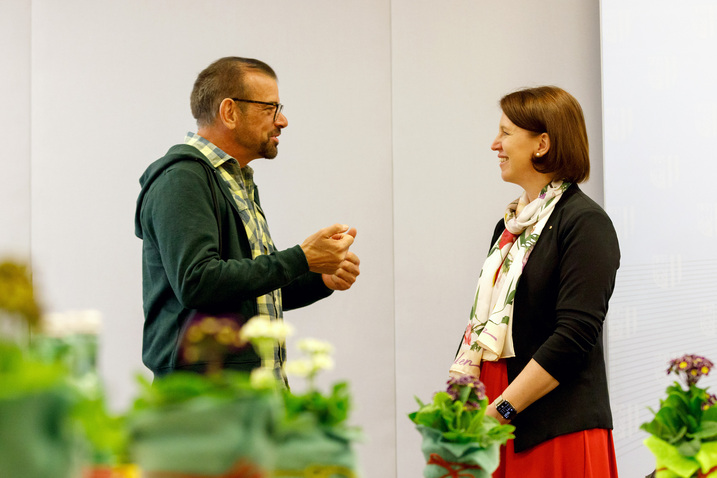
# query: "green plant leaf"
{"type": "Point", "coordinates": [330, 410]}
{"type": "Point", "coordinates": [459, 423]}
{"type": "Point", "coordinates": [668, 456]}
{"type": "Point", "coordinates": [706, 431]}
{"type": "Point", "coordinates": [710, 414]}
{"type": "Point", "coordinates": [689, 448]}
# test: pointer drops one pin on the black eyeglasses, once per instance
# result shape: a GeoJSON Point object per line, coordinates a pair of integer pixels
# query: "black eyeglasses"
{"type": "Point", "coordinates": [278, 106]}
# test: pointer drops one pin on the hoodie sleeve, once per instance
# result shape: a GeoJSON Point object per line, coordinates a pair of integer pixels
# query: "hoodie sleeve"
{"type": "Point", "coordinates": [178, 223]}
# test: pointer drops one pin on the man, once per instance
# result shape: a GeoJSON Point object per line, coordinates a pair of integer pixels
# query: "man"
{"type": "Point", "coordinates": [206, 247]}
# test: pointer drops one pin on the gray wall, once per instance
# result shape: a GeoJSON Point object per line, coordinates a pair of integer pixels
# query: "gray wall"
{"type": "Point", "coordinates": [392, 106]}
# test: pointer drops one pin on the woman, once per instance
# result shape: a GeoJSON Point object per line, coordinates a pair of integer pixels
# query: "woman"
{"type": "Point", "coordinates": [535, 332]}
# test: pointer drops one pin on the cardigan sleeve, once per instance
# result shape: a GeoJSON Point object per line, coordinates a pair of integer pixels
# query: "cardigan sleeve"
{"type": "Point", "coordinates": [304, 291]}
{"type": "Point", "coordinates": [589, 257]}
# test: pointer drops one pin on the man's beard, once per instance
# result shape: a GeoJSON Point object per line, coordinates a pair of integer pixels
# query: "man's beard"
{"type": "Point", "coordinates": [268, 149]}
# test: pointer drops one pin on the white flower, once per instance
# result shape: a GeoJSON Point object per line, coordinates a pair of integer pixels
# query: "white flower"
{"type": "Point", "coordinates": [281, 330]}
{"type": "Point", "coordinates": [314, 346]}
{"type": "Point", "coordinates": [259, 327]}
{"type": "Point", "coordinates": [262, 378]}
{"type": "Point", "coordinates": [298, 368]}
{"type": "Point", "coordinates": [72, 322]}
{"type": "Point", "coordinates": [322, 362]}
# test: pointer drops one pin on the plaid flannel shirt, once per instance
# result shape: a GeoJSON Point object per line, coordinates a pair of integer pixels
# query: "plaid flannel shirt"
{"type": "Point", "coordinates": [241, 184]}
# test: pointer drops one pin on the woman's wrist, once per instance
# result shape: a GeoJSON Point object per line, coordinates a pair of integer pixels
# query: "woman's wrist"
{"type": "Point", "coordinates": [491, 411]}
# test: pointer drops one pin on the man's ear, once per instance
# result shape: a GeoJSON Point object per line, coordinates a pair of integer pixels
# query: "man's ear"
{"type": "Point", "coordinates": [543, 145]}
{"type": "Point", "coordinates": [229, 113]}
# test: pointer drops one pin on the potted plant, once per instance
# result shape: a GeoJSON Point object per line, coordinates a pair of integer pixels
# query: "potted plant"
{"type": "Point", "coordinates": [314, 438]}
{"type": "Point", "coordinates": [71, 339]}
{"type": "Point", "coordinates": [37, 438]}
{"type": "Point", "coordinates": [105, 442]}
{"type": "Point", "coordinates": [216, 424]}
{"type": "Point", "coordinates": [458, 438]}
{"type": "Point", "coordinates": [683, 431]}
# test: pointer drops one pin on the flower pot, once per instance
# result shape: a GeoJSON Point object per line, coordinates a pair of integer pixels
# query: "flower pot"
{"type": "Point", "coordinates": [316, 451]}
{"type": "Point", "coordinates": [241, 469]}
{"type": "Point", "coordinates": [205, 436]}
{"type": "Point", "coordinates": [117, 471]}
{"type": "Point", "coordinates": [35, 436]}
{"type": "Point", "coordinates": [671, 464]}
{"type": "Point", "coordinates": [448, 459]}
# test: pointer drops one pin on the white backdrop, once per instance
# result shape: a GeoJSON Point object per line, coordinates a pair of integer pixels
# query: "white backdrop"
{"type": "Point", "coordinates": [392, 106]}
{"type": "Point", "coordinates": [451, 65]}
{"type": "Point", "coordinates": [15, 124]}
{"type": "Point", "coordinates": [659, 79]}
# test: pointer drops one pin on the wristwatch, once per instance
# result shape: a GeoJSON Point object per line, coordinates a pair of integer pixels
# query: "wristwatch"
{"type": "Point", "coordinates": [505, 409]}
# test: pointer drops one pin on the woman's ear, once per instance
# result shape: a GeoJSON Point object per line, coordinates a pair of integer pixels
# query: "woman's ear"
{"type": "Point", "coordinates": [543, 145]}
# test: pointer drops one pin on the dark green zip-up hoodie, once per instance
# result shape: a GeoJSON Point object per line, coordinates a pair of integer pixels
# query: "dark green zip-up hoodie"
{"type": "Point", "coordinates": [182, 270]}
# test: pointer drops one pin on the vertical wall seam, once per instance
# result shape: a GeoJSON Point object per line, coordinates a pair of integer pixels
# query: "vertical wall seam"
{"type": "Point", "coordinates": [393, 241]}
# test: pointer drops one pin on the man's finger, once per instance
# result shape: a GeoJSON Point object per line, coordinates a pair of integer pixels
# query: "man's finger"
{"type": "Point", "coordinates": [351, 257]}
{"type": "Point", "coordinates": [335, 229]}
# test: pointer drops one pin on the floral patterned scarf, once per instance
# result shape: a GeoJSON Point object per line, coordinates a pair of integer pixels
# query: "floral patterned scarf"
{"type": "Point", "coordinates": [489, 332]}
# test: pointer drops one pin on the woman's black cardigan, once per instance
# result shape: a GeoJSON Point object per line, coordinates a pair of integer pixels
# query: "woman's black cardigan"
{"type": "Point", "coordinates": [559, 310]}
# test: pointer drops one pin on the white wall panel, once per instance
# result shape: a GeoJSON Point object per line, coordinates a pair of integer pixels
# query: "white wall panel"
{"type": "Point", "coordinates": [452, 62]}
{"type": "Point", "coordinates": [15, 125]}
{"type": "Point", "coordinates": [660, 130]}
{"type": "Point", "coordinates": [392, 106]}
{"type": "Point", "coordinates": [111, 94]}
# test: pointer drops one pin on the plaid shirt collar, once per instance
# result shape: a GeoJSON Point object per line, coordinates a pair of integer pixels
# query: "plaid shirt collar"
{"type": "Point", "coordinates": [213, 153]}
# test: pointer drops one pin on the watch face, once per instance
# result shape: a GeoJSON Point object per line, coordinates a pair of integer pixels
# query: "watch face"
{"type": "Point", "coordinates": [506, 410]}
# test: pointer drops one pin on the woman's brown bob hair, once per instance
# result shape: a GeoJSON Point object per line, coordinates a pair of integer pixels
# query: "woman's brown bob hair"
{"type": "Point", "coordinates": [552, 110]}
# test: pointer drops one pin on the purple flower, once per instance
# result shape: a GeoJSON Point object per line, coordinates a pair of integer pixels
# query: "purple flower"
{"type": "Point", "coordinates": [471, 405]}
{"type": "Point", "coordinates": [711, 401]}
{"type": "Point", "coordinates": [690, 367]}
{"type": "Point", "coordinates": [458, 386]}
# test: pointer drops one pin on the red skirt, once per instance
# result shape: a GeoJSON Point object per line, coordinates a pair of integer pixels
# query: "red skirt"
{"type": "Point", "coordinates": [583, 454]}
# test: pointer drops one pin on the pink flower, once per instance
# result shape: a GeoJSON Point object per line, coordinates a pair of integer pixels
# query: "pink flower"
{"type": "Point", "coordinates": [467, 335]}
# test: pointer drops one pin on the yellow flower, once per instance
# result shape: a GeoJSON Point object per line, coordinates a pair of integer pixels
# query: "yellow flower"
{"type": "Point", "coordinates": [191, 354]}
{"type": "Point", "coordinates": [195, 334]}
{"type": "Point", "coordinates": [226, 335]}
{"type": "Point", "coordinates": [17, 293]}
{"type": "Point", "coordinates": [683, 364]}
{"type": "Point", "coordinates": [209, 325]}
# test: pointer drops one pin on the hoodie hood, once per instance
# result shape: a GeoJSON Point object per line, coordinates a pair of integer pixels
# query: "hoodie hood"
{"type": "Point", "coordinates": [177, 153]}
